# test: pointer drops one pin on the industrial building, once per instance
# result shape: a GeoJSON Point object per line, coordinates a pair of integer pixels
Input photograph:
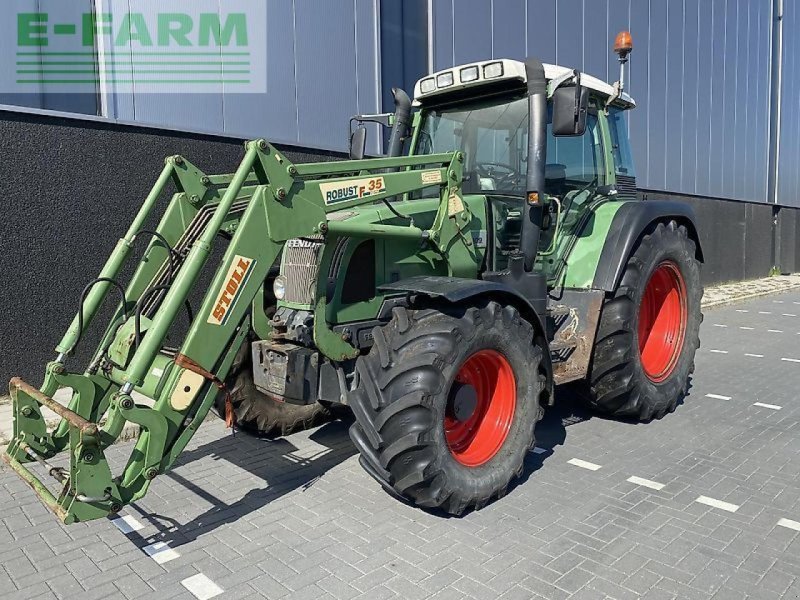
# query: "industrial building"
{"type": "Point", "coordinates": [716, 84]}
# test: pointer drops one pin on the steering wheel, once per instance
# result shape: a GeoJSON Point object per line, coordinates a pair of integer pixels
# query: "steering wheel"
{"type": "Point", "coordinates": [500, 172]}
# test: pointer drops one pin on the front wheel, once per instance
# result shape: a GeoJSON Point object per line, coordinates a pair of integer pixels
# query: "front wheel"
{"type": "Point", "coordinates": [257, 413]}
{"type": "Point", "coordinates": [649, 330]}
{"type": "Point", "coordinates": [446, 404]}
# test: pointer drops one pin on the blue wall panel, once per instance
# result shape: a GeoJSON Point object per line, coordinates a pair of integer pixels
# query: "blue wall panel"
{"type": "Point", "coordinates": [508, 29]}
{"type": "Point", "coordinates": [541, 19]}
{"type": "Point", "coordinates": [789, 163]}
{"type": "Point", "coordinates": [699, 73]}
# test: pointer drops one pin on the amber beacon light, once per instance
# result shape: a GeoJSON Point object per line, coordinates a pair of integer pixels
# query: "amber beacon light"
{"type": "Point", "coordinates": [623, 44]}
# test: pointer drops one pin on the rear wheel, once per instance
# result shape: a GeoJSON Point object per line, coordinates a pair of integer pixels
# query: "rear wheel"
{"type": "Point", "coordinates": [649, 331]}
{"type": "Point", "coordinates": [257, 413]}
{"type": "Point", "coordinates": [446, 404]}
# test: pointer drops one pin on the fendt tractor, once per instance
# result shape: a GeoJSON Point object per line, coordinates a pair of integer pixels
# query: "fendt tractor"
{"type": "Point", "coordinates": [440, 292]}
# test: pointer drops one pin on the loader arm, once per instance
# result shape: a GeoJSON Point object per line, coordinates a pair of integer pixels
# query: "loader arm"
{"type": "Point", "coordinates": [265, 203]}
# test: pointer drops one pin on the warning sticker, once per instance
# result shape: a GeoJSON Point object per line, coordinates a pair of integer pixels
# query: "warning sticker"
{"type": "Point", "coordinates": [430, 177]}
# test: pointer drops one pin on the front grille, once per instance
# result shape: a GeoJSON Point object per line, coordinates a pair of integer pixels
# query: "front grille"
{"type": "Point", "coordinates": [300, 264]}
{"type": "Point", "coordinates": [300, 267]}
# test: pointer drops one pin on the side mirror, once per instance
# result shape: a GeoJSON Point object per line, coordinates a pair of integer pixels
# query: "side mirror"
{"type": "Point", "coordinates": [570, 104]}
{"type": "Point", "coordinates": [358, 143]}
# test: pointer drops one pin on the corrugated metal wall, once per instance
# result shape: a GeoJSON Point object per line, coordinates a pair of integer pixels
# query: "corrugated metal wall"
{"type": "Point", "coordinates": [322, 68]}
{"type": "Point", "coordinates": [789, 158]}
{"type": "Point", "coordinates": [322, 62]}
{"type": "Point", "coordinates": [699, 73]}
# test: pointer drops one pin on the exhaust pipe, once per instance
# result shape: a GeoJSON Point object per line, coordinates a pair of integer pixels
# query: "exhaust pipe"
{"type": "Point", "coordinates": [402, 122]}
{"type": "Point", "coordinates": [537, 159]}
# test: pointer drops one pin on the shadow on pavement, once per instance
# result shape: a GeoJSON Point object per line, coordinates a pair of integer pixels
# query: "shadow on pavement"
{"type": "Point", "coordinates": [281, 466]}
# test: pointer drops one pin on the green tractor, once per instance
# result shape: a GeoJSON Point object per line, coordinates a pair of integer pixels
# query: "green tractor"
{"type": "Point", "coordinates": [440, 292]}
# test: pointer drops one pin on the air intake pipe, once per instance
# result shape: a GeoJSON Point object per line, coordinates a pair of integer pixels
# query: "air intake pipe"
{"type": "Point", "coordinates": [402, 122]}
{"type": "Point", "coordinates": [537, 159]}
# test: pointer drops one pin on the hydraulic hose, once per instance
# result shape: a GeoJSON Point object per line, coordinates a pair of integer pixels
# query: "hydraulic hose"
{"type": "Point", "coordinates": [84, 293]}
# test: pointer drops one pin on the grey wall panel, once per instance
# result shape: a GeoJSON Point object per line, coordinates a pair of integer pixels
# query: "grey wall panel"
{"type": "Point", "coordinates": [569, 33]}
{"type": "Point", "coordinates": [789, 163]}
{"type": "Point", "coordinates": [274, 114]}
{"type": "Point", "coordinates": [8, 55]}
{"type": "Point", "coordinates": [52, 96]}
{"type": "Point", "coordinates": [330, 48]}
{"type": "Point", "coordinates": [678, 92]}
{"type": "Point", "coordinates": [174, 107]}
{"type": "Point", "coordinates": [541, 21]}
{"type": "Point", "coordinates": [639, 86]}
{"type": "Point", "coordinates": [325, 65]}
{"type": "Point", "coordinates": [472, 30]}
{"type": "Point", "coordinates": [368, 73]}
{"type": "Point", "coordinates": [442, 16]}
{"type": "Point", "coordinates": [596, 48]}
{"type": "Point", "coordinates": [705, 103]}
{"type": "Point", "coordinates": [689, 102]}
{"type": "Point", "coordinates": [43, 95]}
{"type": "Point", "coordinates": [699, 73]}
{"type": "Point", "coordinates": [509, 31]}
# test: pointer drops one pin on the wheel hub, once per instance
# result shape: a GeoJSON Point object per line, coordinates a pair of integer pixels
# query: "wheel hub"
{"type": "Point", "coordinates": [480, 408]}
{"type": "Point", "coordinates": [663, 315]}
{"type": "Point", "coordinates": [465, 400]}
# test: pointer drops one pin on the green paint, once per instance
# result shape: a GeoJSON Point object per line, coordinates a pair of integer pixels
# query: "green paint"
{"type": "Point", "coordinates": [582, 261]}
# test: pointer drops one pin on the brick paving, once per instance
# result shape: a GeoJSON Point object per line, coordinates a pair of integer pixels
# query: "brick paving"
{"type": "Point", "coordinates": [702, 504]}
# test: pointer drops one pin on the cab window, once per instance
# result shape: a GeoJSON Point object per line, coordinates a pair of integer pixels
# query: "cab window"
{"type": "Point", "coordinates": [494, 135]}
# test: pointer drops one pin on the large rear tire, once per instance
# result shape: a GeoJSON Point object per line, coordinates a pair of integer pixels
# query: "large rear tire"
{"type": "Point", "coordinates": [257, 413]}
{"type": "Point", "coordinates": [446, 404]}
{"type": "Point", "coordinates": [649, 330]}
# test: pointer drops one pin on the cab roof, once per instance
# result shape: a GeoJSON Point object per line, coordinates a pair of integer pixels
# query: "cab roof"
{"type": "Point", "coordinates": [501, 70]}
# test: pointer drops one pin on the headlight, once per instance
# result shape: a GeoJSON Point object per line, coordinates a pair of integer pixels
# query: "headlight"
{"type": "Point", "coordinates": [444, 79]}
{"type": "Point", "coordinates": [427, 85]}
{"type": "Point", "coordinates": [469, 74]}
{"type": "Point", "coordinates": [279, 287]}
{"type": "Point", "coordinates": [493, 70]}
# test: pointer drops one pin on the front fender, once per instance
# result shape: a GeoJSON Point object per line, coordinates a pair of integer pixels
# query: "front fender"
{"type": "Point", "coordinates": [455, 290]}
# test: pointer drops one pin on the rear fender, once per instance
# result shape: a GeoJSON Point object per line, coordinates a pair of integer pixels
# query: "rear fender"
{"type": "Point", "coordinates": [628, 226]}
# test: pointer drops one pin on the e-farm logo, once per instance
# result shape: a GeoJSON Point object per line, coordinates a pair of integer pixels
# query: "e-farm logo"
{"type": "Point", "coordinates": [149, 46]}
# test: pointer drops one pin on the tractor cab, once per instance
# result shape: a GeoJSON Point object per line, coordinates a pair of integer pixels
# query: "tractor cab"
{"type": "Point", "coordinates": [482, 109]}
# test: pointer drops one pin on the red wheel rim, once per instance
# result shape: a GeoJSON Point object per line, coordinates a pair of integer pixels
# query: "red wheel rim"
{"type": "Point", "coordinates": [475, 438]}
{"type": "Point", "coordinates": [662, 321]}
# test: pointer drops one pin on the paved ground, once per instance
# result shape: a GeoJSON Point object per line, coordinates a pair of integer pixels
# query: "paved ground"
{"type": "Point", "coordinates": [703, 504]}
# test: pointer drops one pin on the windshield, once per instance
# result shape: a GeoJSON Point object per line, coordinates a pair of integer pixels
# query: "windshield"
{"type": "Point", "coordinates": [494, 136]}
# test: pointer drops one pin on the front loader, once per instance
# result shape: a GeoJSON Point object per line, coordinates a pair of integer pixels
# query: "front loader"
{"type": "Point", "coordinates": [441, 293]}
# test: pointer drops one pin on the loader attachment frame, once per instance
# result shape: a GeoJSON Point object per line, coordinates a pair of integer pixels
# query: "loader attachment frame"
{"type": "Point", "coordinates": [265, 203]}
